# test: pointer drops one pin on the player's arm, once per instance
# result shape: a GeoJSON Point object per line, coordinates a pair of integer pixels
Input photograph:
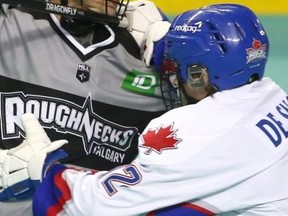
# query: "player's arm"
{"type": "Point", "coordinates": [79, 192]}
{"type": "Point", "coordinates": [148, 25]}
{"type": "Point", "coordinates": [131, 189]}
{"type": "Point", "coordinates": [152, 181]}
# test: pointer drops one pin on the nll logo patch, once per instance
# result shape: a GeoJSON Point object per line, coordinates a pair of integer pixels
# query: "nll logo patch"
{"type": "Point", "coordinates": [83, 73]}
{"type": "Point", "coordinates": [143, 83]}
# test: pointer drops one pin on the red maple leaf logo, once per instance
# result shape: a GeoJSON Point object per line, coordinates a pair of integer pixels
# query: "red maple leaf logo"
{"type": "Point", "coordinates": [159, 140]}
{"type": "Point", "coordinates": [256, 44]}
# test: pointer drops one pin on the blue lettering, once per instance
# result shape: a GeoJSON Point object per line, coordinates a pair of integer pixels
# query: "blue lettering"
{"type": "Point", "coordinates": [273, 127]}
{"type": "Point", "coordinates": [279, 124]}
{"type": "Point", "coordinates": [276, 140]}
{"type": "Point", "coordinates": [131, 177]}
{"type": "Point", "coordinates": [285, 108]}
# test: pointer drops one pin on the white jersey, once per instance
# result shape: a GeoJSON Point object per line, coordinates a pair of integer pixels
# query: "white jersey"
{"type": "Point", "coordinates": [226, 155]}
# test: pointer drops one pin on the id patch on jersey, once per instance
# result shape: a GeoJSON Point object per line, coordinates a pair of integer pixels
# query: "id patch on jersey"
{"type": "Point", "coordinates": [143, 83]}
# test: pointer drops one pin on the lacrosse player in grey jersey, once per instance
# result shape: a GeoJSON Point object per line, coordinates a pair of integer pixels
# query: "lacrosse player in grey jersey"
{"type": "Point", "coordinates": [88, 79]}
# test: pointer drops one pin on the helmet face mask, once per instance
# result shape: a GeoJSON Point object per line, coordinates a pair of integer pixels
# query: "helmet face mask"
{"type": "Point", "coordinates": [108, 9]}
{"type": "Point", "coordinates": [226, 40]}
{"type": "Point", "coordinates": [195, 87]}
{"type": "Point", "coordinates": [121, 9]}
{"type": "Point", "coordinates": [171, 93]}
{"type": "Point", "coordinates": [110, 12]}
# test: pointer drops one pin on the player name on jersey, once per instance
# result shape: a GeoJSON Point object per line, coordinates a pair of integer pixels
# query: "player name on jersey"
{"type": "Point", "coordinates": [274, 126]}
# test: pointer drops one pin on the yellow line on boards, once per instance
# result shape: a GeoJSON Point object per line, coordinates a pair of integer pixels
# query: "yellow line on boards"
{"type": "Point", "coordinates": [266, 7]}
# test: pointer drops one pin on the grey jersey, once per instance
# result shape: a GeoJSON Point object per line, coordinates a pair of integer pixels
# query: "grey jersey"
{"type": "Point", "coordinates": [95, 91]}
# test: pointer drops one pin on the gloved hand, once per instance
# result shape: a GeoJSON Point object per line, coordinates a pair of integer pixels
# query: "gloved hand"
{"type": "Point", "coordinates": [154, 34]}
{"type": "Point", "coordinates": [147, 24]}
{"type": "Point", "coordinates": [23, 167]}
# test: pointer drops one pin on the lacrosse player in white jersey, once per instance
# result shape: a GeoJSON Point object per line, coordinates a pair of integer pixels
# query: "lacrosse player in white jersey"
{"type": "Point", "coordinates": [224, 152]}
{"type": "Point", "coordinates": [78, 67]}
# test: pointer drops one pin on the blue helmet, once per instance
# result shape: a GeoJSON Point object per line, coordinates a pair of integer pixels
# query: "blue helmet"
{"type": "Point", "coordinates": [226, 39]}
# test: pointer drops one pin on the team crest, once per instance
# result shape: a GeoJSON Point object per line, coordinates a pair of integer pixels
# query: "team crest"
{"type": "Point", "coordinates": [258, 51]}
{"type": "Point", "coordinates": [160, 139]}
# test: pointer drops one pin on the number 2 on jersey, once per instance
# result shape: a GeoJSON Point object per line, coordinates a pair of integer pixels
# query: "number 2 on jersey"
{"type": "Point", "coordinates": [131, 177]}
